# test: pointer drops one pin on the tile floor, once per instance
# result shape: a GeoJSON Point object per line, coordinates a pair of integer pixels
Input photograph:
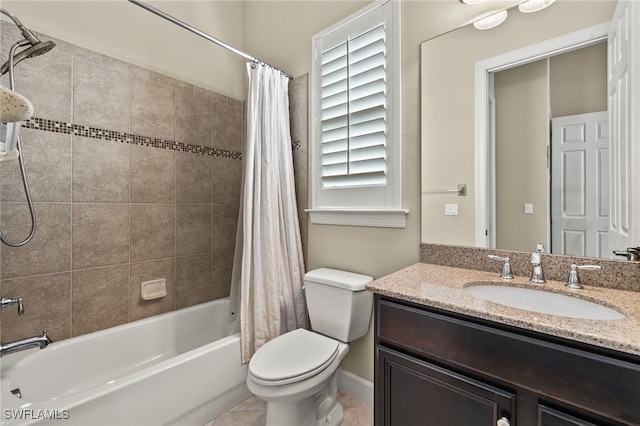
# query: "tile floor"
{"type": "Point", "coordinates": [253, 411]}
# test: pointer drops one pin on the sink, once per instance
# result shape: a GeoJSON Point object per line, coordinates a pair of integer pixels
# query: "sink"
{"type": "Point", "coordinates": [543, 302]}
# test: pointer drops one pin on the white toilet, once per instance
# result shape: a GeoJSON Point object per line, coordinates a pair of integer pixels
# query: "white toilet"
{"type": "Point", "coordinates": [297, 372]}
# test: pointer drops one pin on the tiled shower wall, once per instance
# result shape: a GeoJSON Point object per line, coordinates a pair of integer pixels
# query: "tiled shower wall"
{"type": "Point", "coordinates": [134, 176]}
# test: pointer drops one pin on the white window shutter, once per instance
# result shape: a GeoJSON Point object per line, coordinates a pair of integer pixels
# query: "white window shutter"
{"type": "Point", "coordinates": [356, 147]}
{"type": "Point", "coordinates": [353, 111]}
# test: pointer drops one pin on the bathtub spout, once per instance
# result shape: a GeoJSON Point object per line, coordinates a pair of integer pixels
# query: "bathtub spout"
{"type": "Point", "coordinates": [40, 341]}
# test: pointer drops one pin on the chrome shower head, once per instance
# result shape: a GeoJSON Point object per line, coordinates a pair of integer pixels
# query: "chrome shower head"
{"type": "Point", "coordinates": [37, 49]}
{"type": "Point", "coordinates": [36, 46]}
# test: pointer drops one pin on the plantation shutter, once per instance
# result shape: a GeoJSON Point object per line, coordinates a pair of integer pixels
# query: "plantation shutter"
{"type": "Point", "coordinates": [353, 111]}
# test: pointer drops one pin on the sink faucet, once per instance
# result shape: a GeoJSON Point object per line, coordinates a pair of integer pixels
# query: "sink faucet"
{"type": "Point", "coordinates": [41, 341]}
{"type": "Point", "coordinates": [631, 253]}
{"type": "Point", "coordinates": [574, 281]}
{"type": "Point", "coordinates": [506, 268]}
{"type": "Point", "coordinates": [537, 274]}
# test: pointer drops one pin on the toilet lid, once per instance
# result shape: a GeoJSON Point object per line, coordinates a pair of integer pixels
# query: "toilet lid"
{"type": "Point", "coordinates": [296, 354]}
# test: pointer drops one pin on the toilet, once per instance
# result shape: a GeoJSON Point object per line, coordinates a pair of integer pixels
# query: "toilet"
{"type": "Point", "coordinates": [297, 372]}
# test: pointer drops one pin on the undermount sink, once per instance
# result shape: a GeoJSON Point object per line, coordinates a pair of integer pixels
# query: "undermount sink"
{"type": "Point", "coordinates": [543, 302]}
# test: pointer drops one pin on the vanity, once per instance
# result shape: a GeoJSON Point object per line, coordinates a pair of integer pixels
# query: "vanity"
{"type": "Point", "coordinates": [444, 356]}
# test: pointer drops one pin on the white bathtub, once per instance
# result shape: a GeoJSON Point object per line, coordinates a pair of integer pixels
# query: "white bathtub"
{"type": "Point", "coordinates": [182, 367]}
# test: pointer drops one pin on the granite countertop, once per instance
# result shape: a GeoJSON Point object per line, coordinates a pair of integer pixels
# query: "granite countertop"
{"type": "Point", "coordinates": [442, 287]}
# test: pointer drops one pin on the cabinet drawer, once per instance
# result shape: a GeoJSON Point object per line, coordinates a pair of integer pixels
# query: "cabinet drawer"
{"type": "Point", "coordinates": [593, 382]}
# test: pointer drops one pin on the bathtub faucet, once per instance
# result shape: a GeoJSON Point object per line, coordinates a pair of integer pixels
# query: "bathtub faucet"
{"type": "Point", "coordinates": [6, 302]}
{"type": "Point", "coordinates": [41, 341]}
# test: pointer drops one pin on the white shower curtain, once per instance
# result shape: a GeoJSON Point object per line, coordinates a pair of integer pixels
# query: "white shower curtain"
{"type": "Point", "coordinates": [268, 268]}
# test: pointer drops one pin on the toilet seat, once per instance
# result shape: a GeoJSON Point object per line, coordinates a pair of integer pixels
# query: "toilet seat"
{"type": "Point", "coordinates": [292, 357]}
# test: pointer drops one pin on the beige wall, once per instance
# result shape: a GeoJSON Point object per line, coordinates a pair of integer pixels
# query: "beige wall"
{"type": "Point", "coordinates": [576, 83]}
{"type": "Point", "coordinates": [448, 105]}
{"type": "Point", "coordinates": [522, 135]}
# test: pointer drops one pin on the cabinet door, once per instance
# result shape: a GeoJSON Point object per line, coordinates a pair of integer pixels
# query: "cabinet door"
{"type": "Point", "coordinates": [419, 393]}
{"type": "Point", "coordinates": [551, 417]}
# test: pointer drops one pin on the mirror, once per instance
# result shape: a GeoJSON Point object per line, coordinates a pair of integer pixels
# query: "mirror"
{"type": "Point", "coordinates": [449, 110]}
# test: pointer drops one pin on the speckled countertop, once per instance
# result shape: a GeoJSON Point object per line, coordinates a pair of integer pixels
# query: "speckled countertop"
{"type": "Point", "coordinates": [442, 287]}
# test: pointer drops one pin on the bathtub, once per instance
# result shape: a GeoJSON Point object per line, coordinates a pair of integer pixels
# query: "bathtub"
{"type": "Point", "coordinates": [182, 367]}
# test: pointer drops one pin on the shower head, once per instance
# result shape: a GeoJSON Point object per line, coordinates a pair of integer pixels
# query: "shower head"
{"type": "Point", "coordinates": [37, 49]}
{"type": "Point", "coordinates": [36, 46]}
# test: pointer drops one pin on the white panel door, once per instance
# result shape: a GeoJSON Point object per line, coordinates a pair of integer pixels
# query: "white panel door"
{"type": "Point", "coordinates": [580, 185]}
{"type": "Point", "coordinates": [624, 111]}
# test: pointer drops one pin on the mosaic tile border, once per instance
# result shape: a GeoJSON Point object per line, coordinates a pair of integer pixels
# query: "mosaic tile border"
{"type": "Point", "coordinates": [47, 125]}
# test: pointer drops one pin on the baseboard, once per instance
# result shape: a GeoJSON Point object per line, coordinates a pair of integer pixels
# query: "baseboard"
{"type": "Point", "coordinates": [355, 386]}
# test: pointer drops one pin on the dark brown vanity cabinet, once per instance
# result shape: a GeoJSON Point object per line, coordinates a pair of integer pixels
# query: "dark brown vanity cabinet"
{"type": "Point", "coordinates": [443, 369]}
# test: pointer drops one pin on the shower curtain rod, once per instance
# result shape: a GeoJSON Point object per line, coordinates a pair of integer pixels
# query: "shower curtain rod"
{"type": "Point", "coordinates": [204, 35]}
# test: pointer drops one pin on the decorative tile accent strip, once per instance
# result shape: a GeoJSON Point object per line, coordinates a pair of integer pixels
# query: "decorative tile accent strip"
{"type": "Point", "coordinates": [296, 145]}
{"type": "Point", "coordinates": [111, 135]}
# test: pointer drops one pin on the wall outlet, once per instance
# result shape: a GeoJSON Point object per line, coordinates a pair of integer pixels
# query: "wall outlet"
{"type": "Point", "coordinates": [528, 208]}
{"type": "Point", "coordinates": [451, 210]}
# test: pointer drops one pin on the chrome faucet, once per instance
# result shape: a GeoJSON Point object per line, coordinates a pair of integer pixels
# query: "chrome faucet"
{"type": "Point", "coordinates": [6, 302]}
{"type": "Point", "coordinates": [506, 267]}
{"type": "Point", "coordinates": [631, 253]}
{"type": "Point", "coordinates": [574, 280]}
{"type": "Point", "coordinates": [537, 274]}
{"type": "Point", "coordinates": [31, 342]}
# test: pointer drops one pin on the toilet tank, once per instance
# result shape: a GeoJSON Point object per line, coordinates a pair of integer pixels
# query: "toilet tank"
{"type": "Point", "coordinates": [338, 304]}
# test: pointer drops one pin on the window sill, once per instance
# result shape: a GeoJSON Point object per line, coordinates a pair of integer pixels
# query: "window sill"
{"type": "Point", "coordinates": [388, 218]}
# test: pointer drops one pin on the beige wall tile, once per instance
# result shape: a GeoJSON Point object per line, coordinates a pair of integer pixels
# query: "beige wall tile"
{"type": "Point", "coordinates": [194, 123]}
{"type": "Point", "coordinates": [227, 176]}
{"type": "Point", "coordinates": [193, 178]}
{"type": "Point", "coordinates": [153, 175]}
{"type": "Point", "coordinates": [45, 80]}
{"type": "Point", "coordinates": [146, 271]}
{"type": "Point", "coordinates": [228, 126]}
{"type": "Point", "coordinates": [100, 235]}
{"type": "Point", "coordinates": [100, 97]}
{"type": "Point", "coordinates": [193, 281]}
{"type": "Point", "coordinates": [114, 214]}
{"type": "Point", "coordinates": [152, 109]}
{"type": "Point", "coordinates": [224, 224]}
{"type": "Point", "coordinates": [152, 231]}
{"type": "Point", "coordinates": [50, 249]}
{"type": "Point", "coordinates": [100, 298]}
{"type": "Point", "coordinates": [100, 171]}
{"type": "Point", "coordinates": [47, 299]}
{"type": "Point", "coordinates": [221, 270]}
{"type": "Point", "coordinates": [47, 161]}
{"type": "Point", "coordinates": [193, 229]}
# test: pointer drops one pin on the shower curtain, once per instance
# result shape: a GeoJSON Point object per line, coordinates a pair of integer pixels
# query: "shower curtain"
{"type": "Point", "coordinates": [268, 268]}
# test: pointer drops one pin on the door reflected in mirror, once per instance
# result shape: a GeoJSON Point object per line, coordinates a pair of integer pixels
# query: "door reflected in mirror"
{"type": "Point", "coordinates": [513, 185]}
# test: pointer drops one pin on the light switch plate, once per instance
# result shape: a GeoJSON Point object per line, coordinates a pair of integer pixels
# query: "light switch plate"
{"type": "Point", "coordinates": [528, 208]}
{"type": "Point", "coordinates": [451, 210]}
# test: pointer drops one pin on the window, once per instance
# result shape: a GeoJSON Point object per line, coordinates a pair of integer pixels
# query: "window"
{"type": "Point", "coordinates": [356, 120]}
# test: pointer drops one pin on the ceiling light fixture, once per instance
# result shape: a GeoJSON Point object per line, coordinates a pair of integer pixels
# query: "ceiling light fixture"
{"type": "Point", "coordinates": [531, 6]}
{"type": "Point", "coordinates": [491, 21]}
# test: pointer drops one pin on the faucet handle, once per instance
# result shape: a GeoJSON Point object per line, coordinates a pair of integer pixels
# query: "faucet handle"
{"type": "Point", "coordinates": [574, 281]}
{"type": "Point", "coordinates": [506, 268]}
{"type": "Point", "coordinates": [6, 302]}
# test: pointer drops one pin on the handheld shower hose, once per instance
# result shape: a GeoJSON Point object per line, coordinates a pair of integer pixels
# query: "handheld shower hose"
{"type": "Point", "coordinates": [35, 48]}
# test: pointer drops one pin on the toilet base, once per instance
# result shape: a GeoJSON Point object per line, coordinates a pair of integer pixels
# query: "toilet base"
{"type": "Point", "coordinates": [302, 413]}
{"type": "Point", "coordinates": [320, 408]}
